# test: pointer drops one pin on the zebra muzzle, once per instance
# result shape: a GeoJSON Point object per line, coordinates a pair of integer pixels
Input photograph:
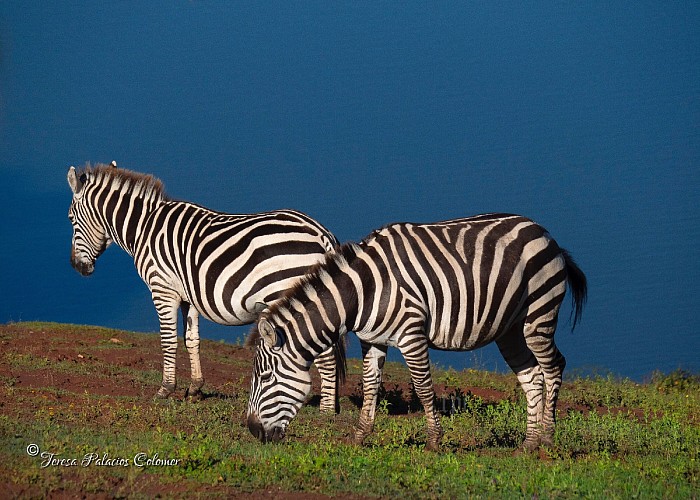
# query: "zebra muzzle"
{"type": "Point", "coordinates": [256, 428]}
{"type": "Point", "coordinates": [277, 435]}
{"type": "Point", "coordinates": [84, 268]}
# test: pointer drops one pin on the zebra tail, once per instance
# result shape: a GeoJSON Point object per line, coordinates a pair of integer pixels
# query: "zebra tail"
{"type": "Point", "coordinates": [577, 285]}
{"type": "Point", "coordinates": [341, 362]}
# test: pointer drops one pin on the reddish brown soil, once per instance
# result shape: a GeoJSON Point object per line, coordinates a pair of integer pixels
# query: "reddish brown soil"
{"type": "Point", "coordinates": [30, 353]}
{"type": "Point", "coordinates": [143, 352]}
{"type": "Point", "coordinates": [31, 356]}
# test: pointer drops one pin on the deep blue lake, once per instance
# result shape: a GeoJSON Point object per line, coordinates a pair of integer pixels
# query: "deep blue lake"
{"type": "Point", "coordinates": [584, 118]}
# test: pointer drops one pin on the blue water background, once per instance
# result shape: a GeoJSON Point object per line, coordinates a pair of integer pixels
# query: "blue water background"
{"type": "Point", "coordinates": [584, 117]}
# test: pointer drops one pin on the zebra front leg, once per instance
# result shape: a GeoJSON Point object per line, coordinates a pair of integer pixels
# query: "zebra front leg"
{"type": "Point", "coordinates": [190, 317]}
{"type": "Point", "coordinates": [326, 366]}
{"type": "Point", "coordinates": [414, 348]}
{"type": "Point", "coordinates": [167, 306]}
{"type": "Point", "coordinates": [373, 357]}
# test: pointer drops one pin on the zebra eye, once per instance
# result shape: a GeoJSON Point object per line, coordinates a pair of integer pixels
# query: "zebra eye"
{"type": "Point", "coordinates": [265, 376]}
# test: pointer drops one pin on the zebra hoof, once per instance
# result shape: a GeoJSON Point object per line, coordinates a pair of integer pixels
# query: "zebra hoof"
{"type": "Point", "coordinates": [527, 448]}
{"type": "Point", "coordinates": [194, 391]}
{"type": "Point", "coordinates": [164, 391]}
{"type": "Point", "coordinates": [359, 438]}
{"type": "Point", "coordinates": [193, 395]}
{"type": "Point", "coordinates": [432, 446]}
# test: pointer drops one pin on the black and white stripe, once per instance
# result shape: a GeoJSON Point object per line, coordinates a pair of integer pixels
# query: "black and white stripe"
{"type": "Point", "coordinates": [453, 285]}
{"type": "Point", "coordinates": [222, 266]}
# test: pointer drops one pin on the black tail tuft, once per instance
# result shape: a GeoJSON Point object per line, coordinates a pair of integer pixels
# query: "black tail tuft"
{"type": "Point", "coordinates": [578, 286]}
{"type": "Point", "coordinates": [341, 362]}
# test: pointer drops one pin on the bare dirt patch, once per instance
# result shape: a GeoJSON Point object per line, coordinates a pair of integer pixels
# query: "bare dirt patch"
{"type": "Point", "coordinates": [76, 359]}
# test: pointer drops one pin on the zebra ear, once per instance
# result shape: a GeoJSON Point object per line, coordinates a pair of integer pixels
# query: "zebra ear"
{"type": "Point", "coordinates": [75, 184]}
{"type": "Point", "coordinates": [267, 332]}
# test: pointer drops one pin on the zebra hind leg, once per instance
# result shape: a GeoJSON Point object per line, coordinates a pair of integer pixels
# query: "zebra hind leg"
{"type": "Point", "coordinates": [552, 363]}
{"type": "Point", "coordinates": [524, 364]}
{"type": "Point", "coordinates": [373, 358]}
{"type": "Point", "coordinates": [190, 317]}
{"type": "Point", "coordinates": [539, 328]}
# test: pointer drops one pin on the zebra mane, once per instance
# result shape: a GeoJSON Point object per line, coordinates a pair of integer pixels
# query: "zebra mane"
{"type": "Point", "coordinates": [253, 336]}
{"type": "Point", "coordinates": [136, 183]}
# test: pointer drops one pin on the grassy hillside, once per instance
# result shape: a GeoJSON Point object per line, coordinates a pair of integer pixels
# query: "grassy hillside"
{"type": "Point", "coordinates": [84, 396]}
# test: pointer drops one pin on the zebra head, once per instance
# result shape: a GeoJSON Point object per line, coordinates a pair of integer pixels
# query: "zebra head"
{"type": "Point", "coordinates": [279, 385]}
{"type": "Point", "coordinates": [90, 236]}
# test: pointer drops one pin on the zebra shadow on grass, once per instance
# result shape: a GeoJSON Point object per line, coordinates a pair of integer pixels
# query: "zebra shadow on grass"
{"type": "Point", "coordinates": [490, 423]}
{"type": "Point", "coordinates": [398, 400]}
{"type": "Point", "coordinates": [205, 395]}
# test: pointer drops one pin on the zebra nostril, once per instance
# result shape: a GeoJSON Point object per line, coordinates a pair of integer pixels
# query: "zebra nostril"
{"type": "Point", "coordinates": [85, 269]}
{"type": "Point", "coordinates": [255, 427]}
{"type": "Point", "coordinates": [277, 434]}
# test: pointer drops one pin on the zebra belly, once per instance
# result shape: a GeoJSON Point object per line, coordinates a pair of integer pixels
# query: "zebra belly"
{"type": "Point", "coordinates": [227, 319]}
{"type": "Point", "coordinates": [460, 337]}
{"type": "Point", "coordinates": [460, 333]}
{"type": "Point", "coordinates": [477, 338]}
{"type": "Point", "coordinates": [234, 314]}
{"type": "Point", "coordinates": [446, 341]}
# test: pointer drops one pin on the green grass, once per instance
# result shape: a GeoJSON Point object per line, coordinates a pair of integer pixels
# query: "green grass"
{"type": "Point", "coordinates": [615, 439]}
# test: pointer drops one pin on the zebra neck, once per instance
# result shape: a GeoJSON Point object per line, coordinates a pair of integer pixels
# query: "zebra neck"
{"type": "Point", "coordinates": [125, 216]}
{"type": "Point", "coordinates": [356, 284]}
{"type": "Point", "coordinates": [317, 321]}
{"type": "Point", "coordinates": [341, 288]}
{"type": "Point", "coordinates": [323, 306]}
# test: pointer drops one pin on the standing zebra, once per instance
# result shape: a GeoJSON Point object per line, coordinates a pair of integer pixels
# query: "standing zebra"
{"type": "Point", "coordinates": [454, 285]}
{"type": "Point", "coordinates": [225, 267]}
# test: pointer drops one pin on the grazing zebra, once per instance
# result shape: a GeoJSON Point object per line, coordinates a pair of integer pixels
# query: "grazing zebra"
{"type": "Point", "coordinates": [455, 285]}
{"type": "Point", "coordinates": [224, 267]}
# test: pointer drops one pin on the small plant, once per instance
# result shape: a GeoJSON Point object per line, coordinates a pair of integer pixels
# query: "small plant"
{"type": "Point", "coordinates": [677, 381]}
{"type": "Point", "coordinates": [449, 378]}
{"type": "Point", "coordinates": [383, 407]}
